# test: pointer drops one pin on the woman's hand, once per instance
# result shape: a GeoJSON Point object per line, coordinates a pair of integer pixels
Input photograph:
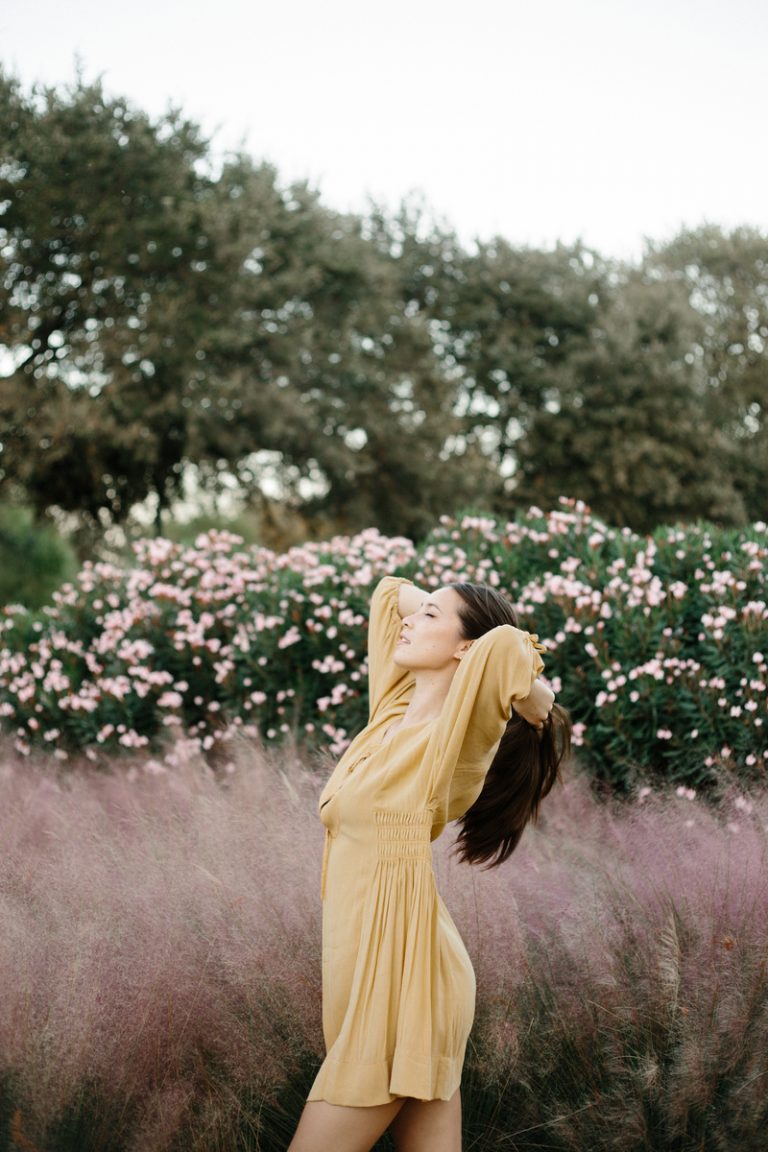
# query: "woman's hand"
{"type": "Point", "coordinates": [537, 705]}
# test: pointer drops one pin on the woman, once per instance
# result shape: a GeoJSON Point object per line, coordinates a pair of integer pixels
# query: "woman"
{"type": "Point", "coordinates": [445, 669]}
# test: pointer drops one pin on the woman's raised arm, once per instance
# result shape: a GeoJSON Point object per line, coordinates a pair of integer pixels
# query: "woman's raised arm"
{"type": "Point", "coordinates": [410, 599]}
{"type": "Point", "coordinates": [536, 707]}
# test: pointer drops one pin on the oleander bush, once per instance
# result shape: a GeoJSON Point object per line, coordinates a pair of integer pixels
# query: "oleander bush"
{"type": "Point", "coordinates": [160, 964]}
{"type": "Point", "coordinates": [658, 645]}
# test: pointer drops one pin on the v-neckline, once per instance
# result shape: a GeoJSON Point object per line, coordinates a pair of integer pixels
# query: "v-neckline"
{"type": "Point", "coordinates": [391, 732]}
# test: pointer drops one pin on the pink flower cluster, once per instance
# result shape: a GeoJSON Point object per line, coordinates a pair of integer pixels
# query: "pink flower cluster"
{"type": "Point", "coordinates": [190, 638]}
{"type": "Point", "coordinates": [665, 636]}
{"type": "Point", "coordinates": [656, 644]}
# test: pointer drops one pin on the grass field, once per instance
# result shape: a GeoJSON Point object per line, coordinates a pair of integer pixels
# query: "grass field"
{"type": "Point", "coordinates": [159, 965]}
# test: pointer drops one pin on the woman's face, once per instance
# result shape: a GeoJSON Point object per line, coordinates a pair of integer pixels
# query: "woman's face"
{"type": "Point", "coordinates": [431, 638]}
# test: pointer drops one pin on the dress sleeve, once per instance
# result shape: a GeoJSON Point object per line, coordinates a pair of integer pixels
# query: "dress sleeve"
{"type": "Point", "coordinates": [499, 668]}
{"type": "Point", "coordinates": [385, 679]}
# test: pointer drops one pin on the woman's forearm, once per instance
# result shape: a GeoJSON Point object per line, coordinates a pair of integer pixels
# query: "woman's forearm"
{"type": "Point", "coordinates": [537, 705]}
{"type": "Point", "coordinates": [410, 598]}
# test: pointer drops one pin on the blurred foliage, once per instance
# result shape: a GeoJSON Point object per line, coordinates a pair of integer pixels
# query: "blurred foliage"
{"type": "Point", "coordinates": [34, 560]}
{"type": "Point", "coordinates": [725, 277]}
{"type": "Point", "coordinates": [634, 433]}
{"type": "Point", "coordinates": [166, 312]}
{"type": "Point", "coordinates": [657, 646]}
{"type": "Point", "coordinates": [105, 283]}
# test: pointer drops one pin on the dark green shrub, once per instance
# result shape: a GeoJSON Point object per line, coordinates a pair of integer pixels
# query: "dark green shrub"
{"type": "Point", "coordinates": [34, 559]}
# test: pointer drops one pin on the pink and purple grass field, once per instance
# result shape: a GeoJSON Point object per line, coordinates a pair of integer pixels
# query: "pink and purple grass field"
{"type": "Point", "coordinates": [159, 965]}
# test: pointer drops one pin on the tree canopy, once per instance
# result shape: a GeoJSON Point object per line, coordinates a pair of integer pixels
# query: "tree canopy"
{"type": "Point", "coordinates": [164, 310]}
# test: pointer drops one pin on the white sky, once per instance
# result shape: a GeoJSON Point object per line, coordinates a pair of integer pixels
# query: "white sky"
{"type": "Point", "coordinates": [605, 120]}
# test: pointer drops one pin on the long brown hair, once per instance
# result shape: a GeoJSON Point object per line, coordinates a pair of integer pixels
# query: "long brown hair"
{"type": "Point", "coordinates": [527, 761]}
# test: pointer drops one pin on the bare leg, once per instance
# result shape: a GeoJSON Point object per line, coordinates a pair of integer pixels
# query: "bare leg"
{"type": "Point", "coordinates": [429, 1126]}
{"type": "Point", "coordinates": [327, 1127]}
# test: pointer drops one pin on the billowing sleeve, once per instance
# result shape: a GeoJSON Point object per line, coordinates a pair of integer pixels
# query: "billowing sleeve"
{"type": "Point", "coordinates": [385, 679]}
{"type": "Point", "coordinates": [499, 668]}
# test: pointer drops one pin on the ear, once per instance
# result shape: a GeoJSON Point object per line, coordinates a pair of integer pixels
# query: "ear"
{"type": "Point", "coordinates": [462, 649]}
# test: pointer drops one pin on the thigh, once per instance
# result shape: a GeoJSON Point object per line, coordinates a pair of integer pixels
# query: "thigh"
{"type": "Point", "coordinates": [428, 1126]}
{"type": "Point", "coordinates": [324, 1126]}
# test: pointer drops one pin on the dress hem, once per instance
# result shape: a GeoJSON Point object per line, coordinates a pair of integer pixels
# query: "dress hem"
{"type": "Point", "coordinates": [356, 1085]}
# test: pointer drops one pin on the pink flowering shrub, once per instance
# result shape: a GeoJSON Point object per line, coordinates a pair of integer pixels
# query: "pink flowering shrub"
{"type": "Point", "coordinates": [204, 641]}
{"type": "Point", "coordinates": [160, 964]}
{"type": "Point", "coordinates": [658, 646]}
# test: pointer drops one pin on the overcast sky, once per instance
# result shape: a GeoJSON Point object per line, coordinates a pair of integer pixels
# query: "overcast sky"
{"type": "Point", "coordinates": [604, 120]}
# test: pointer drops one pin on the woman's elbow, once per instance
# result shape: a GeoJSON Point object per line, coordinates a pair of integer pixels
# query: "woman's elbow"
{"type": "Point", "coordinates": [537, 705]}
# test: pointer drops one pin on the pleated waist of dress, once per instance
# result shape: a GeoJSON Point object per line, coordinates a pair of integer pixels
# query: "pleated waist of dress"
{"type": "Point", "coordinates": [403, 835]}
{"type": "Point", "coordinates": [399, 836]}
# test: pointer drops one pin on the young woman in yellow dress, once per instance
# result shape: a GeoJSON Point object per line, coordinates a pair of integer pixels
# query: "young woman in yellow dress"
{"type": "Point", "coordinates": [460, 728]}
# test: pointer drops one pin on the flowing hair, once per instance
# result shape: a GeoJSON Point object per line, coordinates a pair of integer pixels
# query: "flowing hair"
{"type": "Point", "coordinates": [527, 761]}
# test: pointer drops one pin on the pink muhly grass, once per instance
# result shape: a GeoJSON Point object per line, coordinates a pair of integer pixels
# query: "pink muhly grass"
{"type": "Point", "coordinates": [159, 945]}
{"type": "Point", "coordinates": [160, 964]}
{"type": "Point", "coordinates": [622, 983]}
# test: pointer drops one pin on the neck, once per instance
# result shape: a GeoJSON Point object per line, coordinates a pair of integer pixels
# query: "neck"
{"type": "Point", "coordinates": [429, 692]}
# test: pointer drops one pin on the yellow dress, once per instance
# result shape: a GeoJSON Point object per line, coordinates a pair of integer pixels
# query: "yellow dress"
{"type": "Point", "coordinates": [398, 985]}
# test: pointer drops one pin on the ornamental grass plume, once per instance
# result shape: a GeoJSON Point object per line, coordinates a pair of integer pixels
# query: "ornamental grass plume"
{"type": "Point", "coordinates": [160, 965]}
{"type": "Point", "coordinates": [622, 982]}
{"type": "Point", "coordinates": [159, 938]}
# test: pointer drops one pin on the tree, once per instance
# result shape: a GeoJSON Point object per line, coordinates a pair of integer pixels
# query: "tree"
{"type": "Point", "coordinates": [725, 277]}
{"type": "Point", "coordinates": [632, 434]}
{"type": "Point", "coordinates": [336, 382]}
{"type": "Point", "coordinates": [106, 276]}
{"type": "Point", "coordinates": [503, 324]}
{"type": "Point", "coordinates": [162, 318]}
{"type": "Point", "coordinates": [165, 314]}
